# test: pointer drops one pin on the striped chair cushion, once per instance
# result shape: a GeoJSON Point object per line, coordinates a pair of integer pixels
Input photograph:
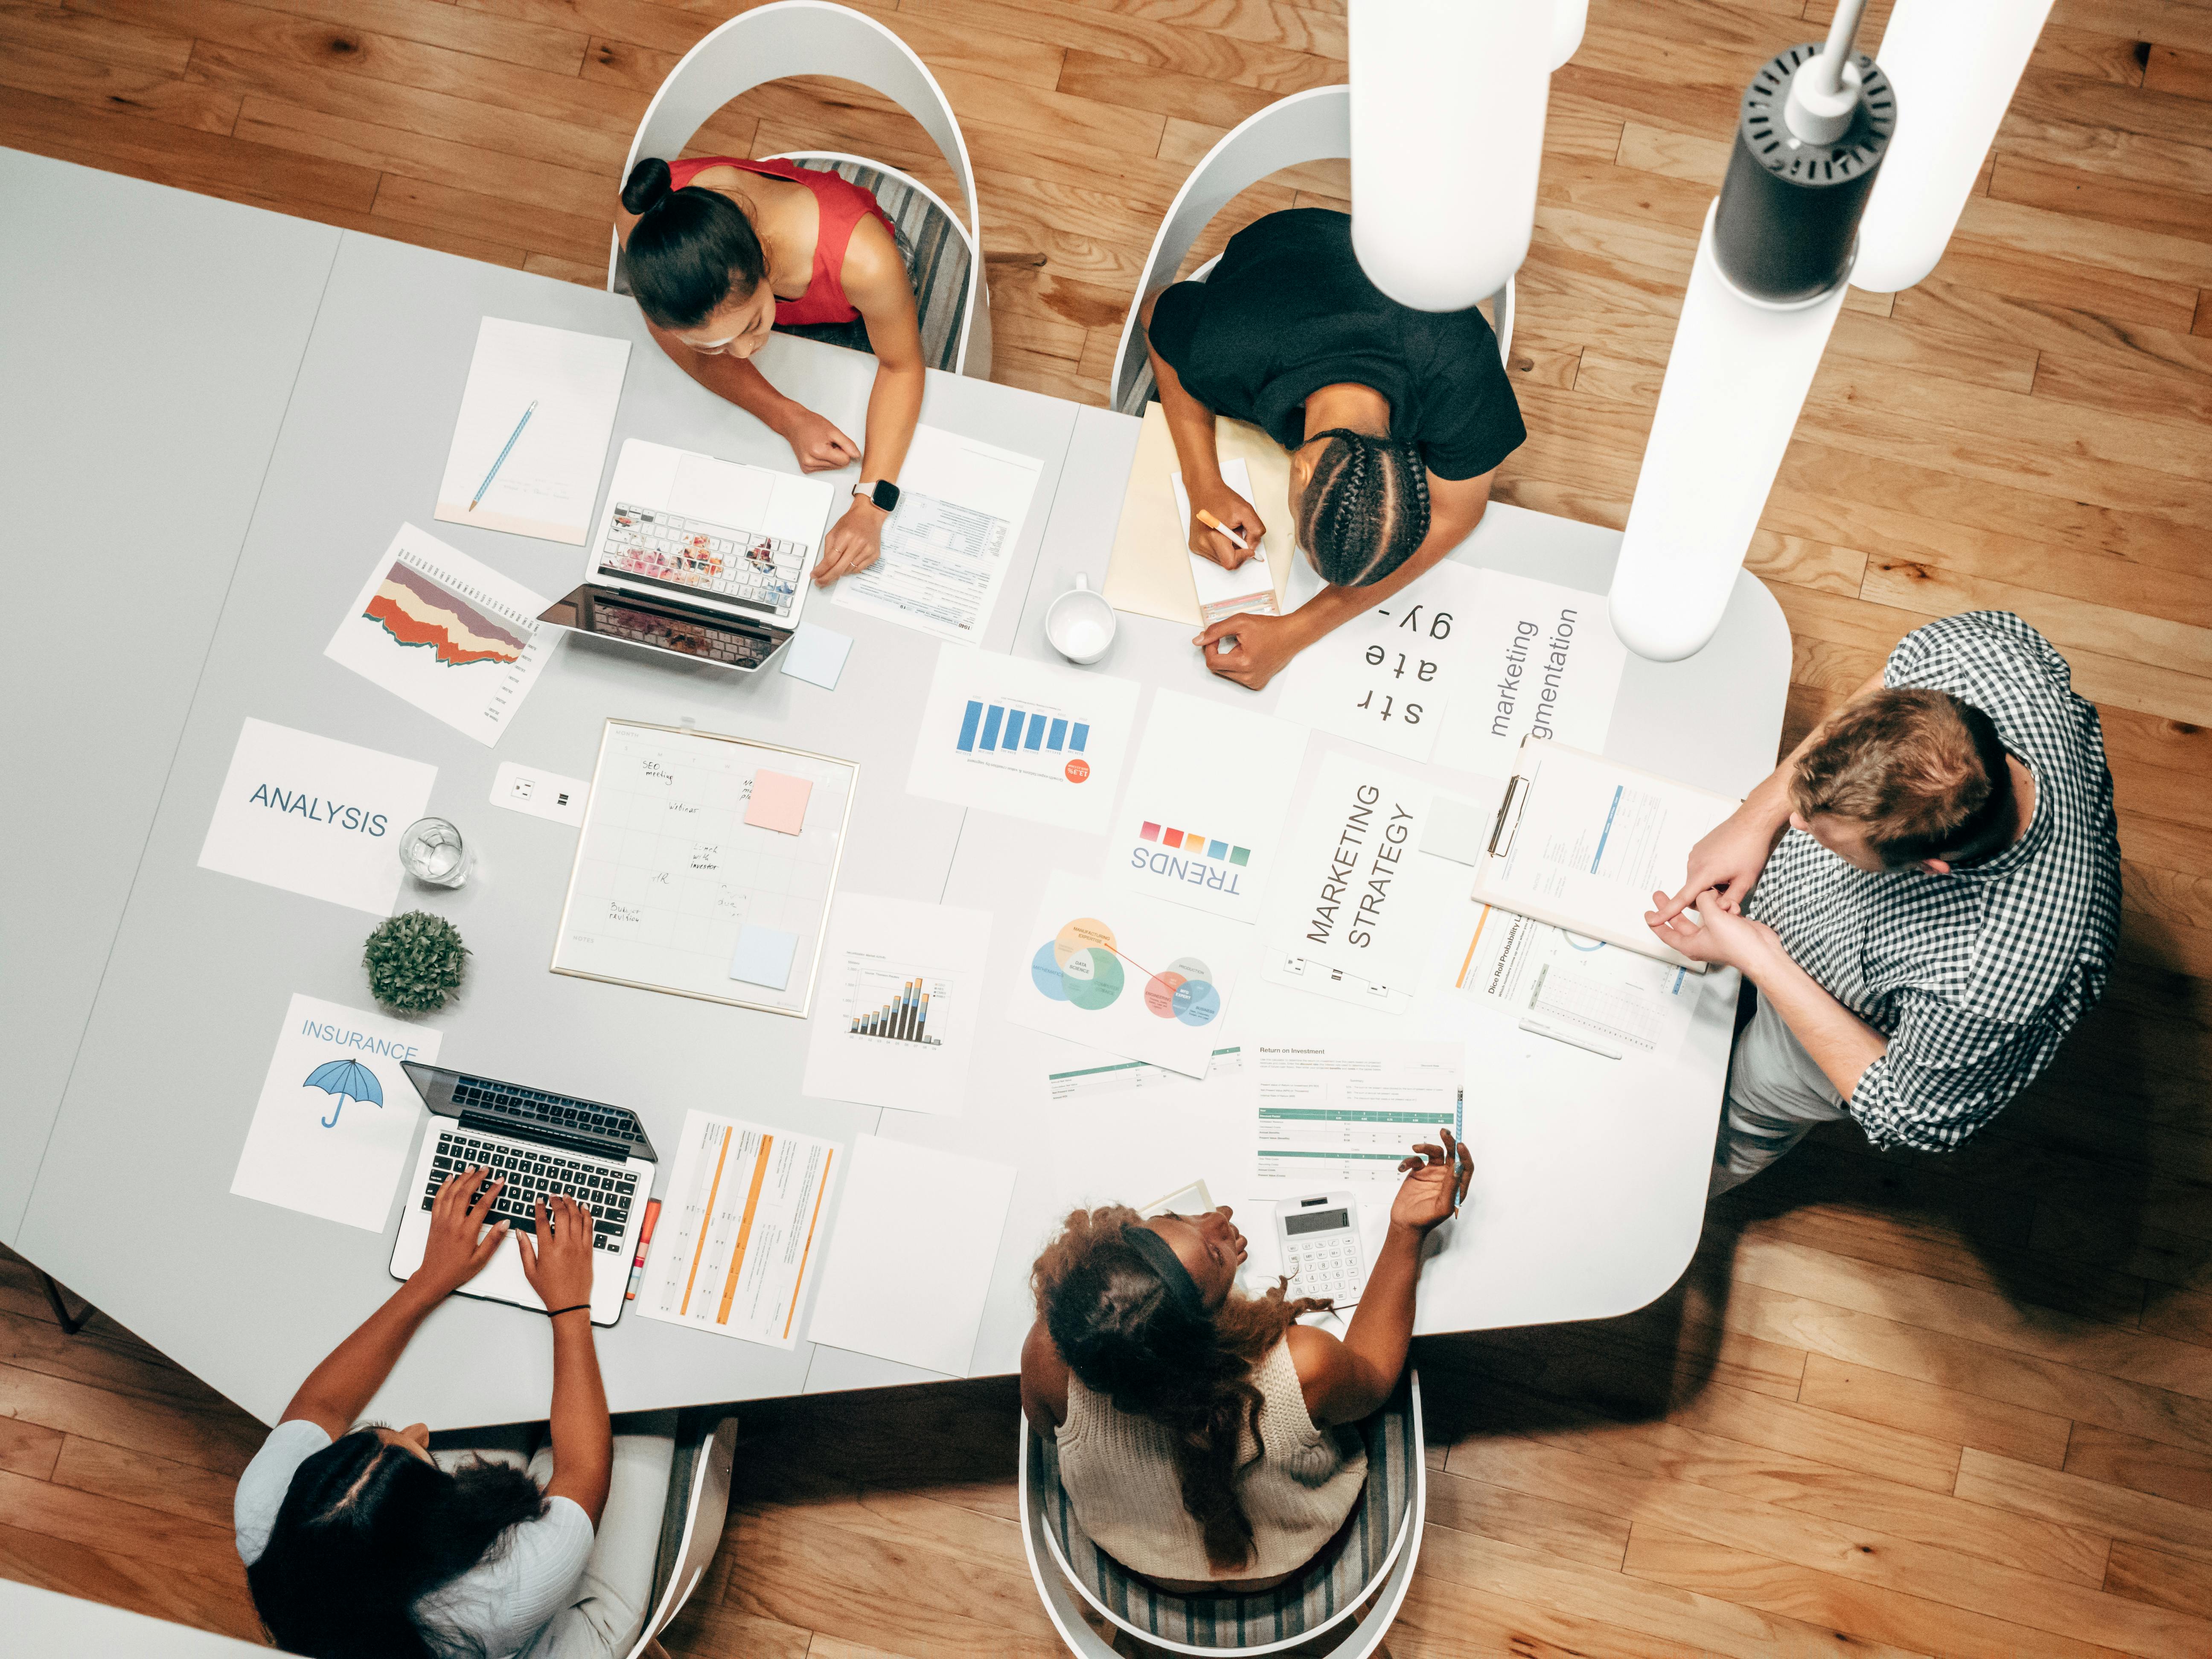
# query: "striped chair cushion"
{"type": "Point", "coordinates": [1328, 1589]}
{"type": "Point", "coordinates": [933, 246]}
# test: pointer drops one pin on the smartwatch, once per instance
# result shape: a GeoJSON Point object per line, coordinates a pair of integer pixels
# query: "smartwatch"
{"type": "Point", "coordinates": [883, 493]}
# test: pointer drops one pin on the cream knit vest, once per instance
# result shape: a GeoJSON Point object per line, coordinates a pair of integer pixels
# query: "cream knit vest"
{"type": "Point", "coordinates": [1119, 1472]}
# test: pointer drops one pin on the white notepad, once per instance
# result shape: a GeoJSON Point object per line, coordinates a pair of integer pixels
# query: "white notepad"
{"type": "Point", "coordinates": [910, 1264]}
{"type": "Point", "coordinates": [1582, 842]}
{"type": "Point", "coordinates": [570, 384]}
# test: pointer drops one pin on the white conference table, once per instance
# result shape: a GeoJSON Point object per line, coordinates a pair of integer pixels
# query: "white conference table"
{"type": "Point", "coordinates": [1590, 1173]}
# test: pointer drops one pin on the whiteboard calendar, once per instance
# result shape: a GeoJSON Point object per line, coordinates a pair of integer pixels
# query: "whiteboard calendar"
{"type": "Point", "coordinates": [706, 866]}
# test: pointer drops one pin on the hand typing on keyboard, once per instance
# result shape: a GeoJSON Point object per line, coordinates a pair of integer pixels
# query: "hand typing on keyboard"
{"type": "Point", "coordinates": [559, 1265]}
{"type": "Point", "coordinates": [458, 1245]}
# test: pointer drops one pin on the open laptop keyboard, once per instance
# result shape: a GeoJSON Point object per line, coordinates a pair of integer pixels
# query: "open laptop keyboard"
{"type": "Point", "coordinates": [659, 546]}
{"type": "Point", "coordinates": [604, 1189]}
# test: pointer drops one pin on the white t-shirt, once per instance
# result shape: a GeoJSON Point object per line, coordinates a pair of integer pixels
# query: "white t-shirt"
{"type": "Point", "coordinates": [502, 1603]}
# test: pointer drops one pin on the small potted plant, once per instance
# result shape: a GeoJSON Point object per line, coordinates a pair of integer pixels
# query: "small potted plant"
{"type": "Point", "coordinates": [414, 962]}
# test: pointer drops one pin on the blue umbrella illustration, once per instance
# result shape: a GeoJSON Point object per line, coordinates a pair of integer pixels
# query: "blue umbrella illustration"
{"type": "Point", "coordinates": [348, 1079]}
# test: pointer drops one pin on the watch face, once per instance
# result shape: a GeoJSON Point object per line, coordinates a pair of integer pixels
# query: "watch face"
{"type": "Point", "coordinates": [886, 496]}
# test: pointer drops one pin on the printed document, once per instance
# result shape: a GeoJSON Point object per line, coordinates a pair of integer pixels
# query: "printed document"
{"type": "Point", "coordinates": [1333, 1114]}
{"type": "Point", "coordinates": [910, 1265]}
{"type": "Point", "coordinates": [336, 1119]}
{"type": "Point", "coordinates": [902, 986]}
{"type": "Point", "coordinates": [570, 385]}
{"type": "Point", "coordinates": [947, 548]}
{"type": "Point", "coordinates": [1204, 817]}
{"type": "Point", "coordinates": [1250, 587]}
{"type": "Point", "coordinates": [1121, 1076]}
{"type": "Point", "coordinates": [445, 632]}
{"type": "Point", "coordinates": [739, 1233]}
{"type": "Point", "coordinates": [1582, 842]}
{"type": "Point", "coordinates": [1032, 739]}
{"type": "Point", "coordinates": [315, 815]}
{"type": "Point", "coordinates": [1578, 990]}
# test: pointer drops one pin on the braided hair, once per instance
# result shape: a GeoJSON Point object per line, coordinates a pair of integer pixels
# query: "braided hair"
{"type": "Point", "coordinates": [690, 250]}
{"type": "Point", "coordinates": [1365, 508]}
{"type": "Point", "coordinates": [1116, 1327]}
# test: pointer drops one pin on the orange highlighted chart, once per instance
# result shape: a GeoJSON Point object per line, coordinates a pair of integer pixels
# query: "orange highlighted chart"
{"type": "Point", "coordinates": [447, 632]}
{"type": "Point", "coordinates": [740, 1230]}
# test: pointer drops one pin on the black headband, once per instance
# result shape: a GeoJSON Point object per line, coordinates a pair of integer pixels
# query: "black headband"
{"type": "Point", "coordinates": [1182, 1288]}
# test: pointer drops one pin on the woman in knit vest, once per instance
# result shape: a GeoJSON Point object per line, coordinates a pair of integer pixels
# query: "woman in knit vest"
{"type": "Point", "coordinates": [1203, 1436]}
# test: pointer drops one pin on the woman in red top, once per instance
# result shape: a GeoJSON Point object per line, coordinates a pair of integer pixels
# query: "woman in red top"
{"type": "Point", "coordinates": [718, 251]}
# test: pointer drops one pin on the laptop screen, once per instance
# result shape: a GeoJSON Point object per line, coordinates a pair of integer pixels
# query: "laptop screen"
{"type": "Point", "coordinates": [670, 625]}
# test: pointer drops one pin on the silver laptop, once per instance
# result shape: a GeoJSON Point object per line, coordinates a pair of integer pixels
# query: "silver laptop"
{"type": "Point", "coordinates": [543, 1145]}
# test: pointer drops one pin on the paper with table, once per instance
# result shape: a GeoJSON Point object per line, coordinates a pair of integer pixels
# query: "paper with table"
{"type": "Point", "coordinates": [445, 632]}
{"type": "Point", "coordinates": [947, 548]}
{"type": "Point", "coordinates": [738, 1231]}
{"type": "Point", "coordinates": [902, 988]}
{"type": "Point", "coordinates": [1149, 573]}
{"type": "Point", "coordinates": [315, 815]}
{"type": "Point", "coordinates": [1250, 587]}
{"type": "Point", "coordinates": [705, 868]}
{"type": "Point", "coordinates": [336, 1118]}
{"type": "Point", "coordinates": [1032, 739]}
{"type": "Point", "coordinates": [1353, 911]}
{"type": "Point", "coordinates": [548, 472]}
{"type": "Point", "coordinates": [1336, 1113]}
{"type": "Point", "coordinates": [910, 1267]}
{"type": "Point", "coordinates": [1460, 666]}
{"type": "Point", "coordinates": [1204, 817]}
{"type": "Point", "coordinates": [1582, 842]}
{"type": "Point", "coordinates": [1576, 990]}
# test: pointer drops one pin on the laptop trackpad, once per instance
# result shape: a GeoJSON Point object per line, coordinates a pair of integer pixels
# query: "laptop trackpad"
{"type": "Point", "coordinates": [502, 1280]}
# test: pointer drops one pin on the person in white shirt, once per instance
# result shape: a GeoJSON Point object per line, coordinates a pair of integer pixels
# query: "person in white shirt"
{"type": "Point", "coordinates": [356, 1542]}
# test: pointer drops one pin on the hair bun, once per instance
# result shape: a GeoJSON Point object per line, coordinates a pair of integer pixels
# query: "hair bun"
{"type": "Point", "coordinates": [647, 186]}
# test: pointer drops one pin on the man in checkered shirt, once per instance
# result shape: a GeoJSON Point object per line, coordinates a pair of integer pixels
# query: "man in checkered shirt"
{"type": "Point", "coordinates": [1926, 893]}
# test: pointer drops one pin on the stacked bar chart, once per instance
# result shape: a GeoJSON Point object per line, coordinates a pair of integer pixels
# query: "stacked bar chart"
{"type": "Point", "coordinates": [905, 1018]}
{"type": "Point", "coordinates": [1002, 727]}
{"type": "Point", "coordinates": [890, 1004]}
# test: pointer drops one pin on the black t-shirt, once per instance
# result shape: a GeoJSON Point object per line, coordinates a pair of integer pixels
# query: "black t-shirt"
{"type": "Point", "coordinates": [1289, 311]}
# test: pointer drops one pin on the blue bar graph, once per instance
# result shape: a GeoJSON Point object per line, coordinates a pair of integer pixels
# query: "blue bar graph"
{"type": "Point", "coordinates": [1013, 737]}
{"type": "Point", "coordinates": [1059, 734]}
{"type": "Point", "coordinates": [991, 726]}
{"type": "Point", "coordinates": [967, 725]}
{"type": "Point", "coordinates": [1037, 732]}
{"type": "Point", "coordinates": [1077, 738]}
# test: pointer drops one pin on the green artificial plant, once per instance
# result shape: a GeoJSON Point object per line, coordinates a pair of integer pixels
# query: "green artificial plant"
{"type": "Point", "coordinates": [414, 962]}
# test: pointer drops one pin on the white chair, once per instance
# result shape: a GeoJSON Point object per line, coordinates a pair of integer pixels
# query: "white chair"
{"type": "Point", "coordinates": [692, 1519]}
{"type": "Point", "coordinates": [809, 37]}
{"type": "Point", "coordinates": [1313, 125]}
{"type": "Point", "coordinates": [1372, 1568]}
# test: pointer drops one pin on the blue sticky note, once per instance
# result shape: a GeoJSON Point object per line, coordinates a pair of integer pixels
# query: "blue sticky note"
{"type": "Point", "coordinates": [763, 956]}
{"type": "Point", "coordinates": [816, 656]}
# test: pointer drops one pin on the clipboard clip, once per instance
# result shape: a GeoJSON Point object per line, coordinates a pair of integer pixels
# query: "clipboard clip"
{"type": "Point", "coordinates": [1508, 817]}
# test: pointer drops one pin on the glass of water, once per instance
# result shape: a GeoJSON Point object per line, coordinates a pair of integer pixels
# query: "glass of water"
{"type": "Point", "coordinates": [431, 850]}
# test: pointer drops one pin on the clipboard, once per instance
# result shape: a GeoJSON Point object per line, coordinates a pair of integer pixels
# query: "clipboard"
{"type": "Point", "coordinates": [1586, 853]}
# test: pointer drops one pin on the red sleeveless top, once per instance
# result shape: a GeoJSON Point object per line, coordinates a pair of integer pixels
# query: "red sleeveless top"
{"type": "Point", "coordinates": [842, 205]}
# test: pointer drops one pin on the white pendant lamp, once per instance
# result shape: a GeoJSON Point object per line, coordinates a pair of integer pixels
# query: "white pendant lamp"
{"type": "Point", "coordinates": [1447, 101]}
{"type": "Point", "coordinates": [1773, 267]}
{"type": "Point", "coordinates": [1954, 64]}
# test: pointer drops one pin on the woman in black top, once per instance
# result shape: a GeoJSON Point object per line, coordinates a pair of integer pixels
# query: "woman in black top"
{"type": "Point", "coordinates": [1396, 421]}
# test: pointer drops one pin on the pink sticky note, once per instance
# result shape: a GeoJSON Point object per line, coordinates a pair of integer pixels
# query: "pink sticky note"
{"type": "Point", "coordinates": [779, 802]}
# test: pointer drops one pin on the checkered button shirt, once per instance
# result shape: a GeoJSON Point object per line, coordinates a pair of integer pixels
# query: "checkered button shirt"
{"type": "Point", "coordinates": [1977, 976]}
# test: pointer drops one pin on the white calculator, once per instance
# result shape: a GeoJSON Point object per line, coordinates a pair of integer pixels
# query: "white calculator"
{"type": "Point", "coordinates": [1319, 1237]}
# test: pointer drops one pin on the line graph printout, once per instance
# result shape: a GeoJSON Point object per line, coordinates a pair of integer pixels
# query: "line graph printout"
{"type": "Point", "coordinates": [447, 632]}
{"type": "Point", "coordinates": [739, 1237]}
{"type": "Point", "coordinates": [670, 877]}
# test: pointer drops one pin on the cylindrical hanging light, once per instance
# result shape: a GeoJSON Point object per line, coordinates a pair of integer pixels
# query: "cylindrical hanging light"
{"type": "Point", "coordinates": [1447, 101]}
{"type": "Point", "coordinates": [1955, 65]}
{"type": "Point", "coordinates": [1772, 266]}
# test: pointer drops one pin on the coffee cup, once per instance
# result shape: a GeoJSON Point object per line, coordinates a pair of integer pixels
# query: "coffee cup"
{"type": "Point", "coordinates": [1079, 623]}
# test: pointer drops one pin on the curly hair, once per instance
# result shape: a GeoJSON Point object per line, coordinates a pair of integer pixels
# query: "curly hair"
{"type": "Point", "coordinates": [1117, 1328]}
{"type": "Point", "coordinates": [1365, 508]}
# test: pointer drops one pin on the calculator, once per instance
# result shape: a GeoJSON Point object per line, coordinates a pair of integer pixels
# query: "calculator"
{"type": "Point", "coordinates": [1320, 1236]}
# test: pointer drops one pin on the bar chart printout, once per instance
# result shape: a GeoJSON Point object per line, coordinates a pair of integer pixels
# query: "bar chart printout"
{"type": "Point", "coordinates": [739, 1233]}
{"type": "Point", "coordinates": [892, 1005]}
{"type": "Point", "coordinates": [1032, 739]}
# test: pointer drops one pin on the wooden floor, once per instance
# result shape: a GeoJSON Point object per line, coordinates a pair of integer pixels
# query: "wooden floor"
{"type": "Point", "coordinates": [1899, 1405]}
